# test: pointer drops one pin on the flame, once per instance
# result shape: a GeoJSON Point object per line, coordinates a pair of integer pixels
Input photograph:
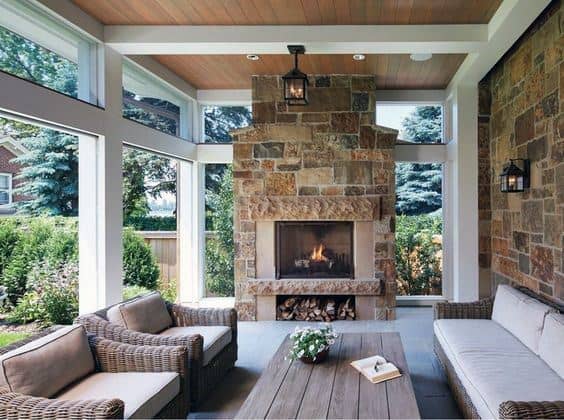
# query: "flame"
{"type": "Point", "coordinates": [317, 254]}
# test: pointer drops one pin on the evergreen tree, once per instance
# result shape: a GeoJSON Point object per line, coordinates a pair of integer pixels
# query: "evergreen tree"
{"type": "Point", "coordinates": [49, 175]}
{"type": "Point", "coordinates": [419, 185]}
{"type": "Point", "coordinates": [220, 120]}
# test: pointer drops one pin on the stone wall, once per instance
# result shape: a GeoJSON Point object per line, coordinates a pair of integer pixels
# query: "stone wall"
{"type": "Point", "coordinates": [527, 121]}
{"type": "Point", "coordinates": [323, 161]}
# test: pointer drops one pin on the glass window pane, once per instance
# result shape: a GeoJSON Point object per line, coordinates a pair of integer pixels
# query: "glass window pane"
{"type": "Point", "coordinates": [419, 228]}
{"type": "Point", "coordinates": [4, 197]}
{"type": "Point", "coordinates": [415, 123]}
{"type": "Point", "coordinates": [28, 60]}
{"type": "Point", "coordinates": [4, 182]}
{"type": "Point", "coordinates": [220, 120]}
{"type": "Point", "coordinates": [149, 218]}
{"type": "Point", "coordinates": [219, 274]}
{"type": "Point", "coordinates": [152, 112]}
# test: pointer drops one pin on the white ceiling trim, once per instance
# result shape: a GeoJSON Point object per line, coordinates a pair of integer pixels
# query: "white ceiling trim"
{"type": "Point", "coordinates": [273, 39]}
{"type": "Point", "coordinates": [510, 21]}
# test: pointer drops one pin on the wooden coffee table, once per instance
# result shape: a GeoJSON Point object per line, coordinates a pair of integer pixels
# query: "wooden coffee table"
{"type": "Point", "coordinates": [333, 389]}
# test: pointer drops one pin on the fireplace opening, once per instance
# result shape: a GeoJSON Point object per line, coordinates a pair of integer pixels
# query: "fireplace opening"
{"type": "Point", "coordinates": [315, 308]}
{"type": "Point", "coordinates": [314, 250]}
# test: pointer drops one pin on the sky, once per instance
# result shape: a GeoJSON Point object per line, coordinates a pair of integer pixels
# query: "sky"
{"type": "Point", "coordinates": [391, 115]}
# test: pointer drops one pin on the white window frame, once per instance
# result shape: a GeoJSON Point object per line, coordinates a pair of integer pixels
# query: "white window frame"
{"type": "Point", "coordinates": [426, 153]}
{"type": "Point", "coordinates": [9, 190]}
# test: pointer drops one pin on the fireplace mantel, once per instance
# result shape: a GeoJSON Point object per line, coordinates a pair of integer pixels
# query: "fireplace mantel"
{"type": "Point", "coordinates": [273, 287]}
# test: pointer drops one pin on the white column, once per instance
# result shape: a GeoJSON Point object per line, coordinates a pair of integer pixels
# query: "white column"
{"type": "Point", "coordinates": [188, 282]}
{"type": "Point", "coordinates": [100, 203]}
{"type": "Point", "coordinates": [463, 194]}
{"type": "Point", "coordinates": [100, 223]}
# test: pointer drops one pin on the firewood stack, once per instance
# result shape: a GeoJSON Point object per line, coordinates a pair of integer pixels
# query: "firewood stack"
{"type": "Point", "coordinates": [315, 308]}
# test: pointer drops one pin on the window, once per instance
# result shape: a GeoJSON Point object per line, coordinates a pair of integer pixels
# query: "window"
{"type": "Point", "coordinates": [5, 189]}
{"type": "Point", "coordinates": [147, 101]}
{"type": "Point", "coordinates": [419, 228]}
{"type": "Point", "coordinates": [415, 123]}
{"type": "Point", "coordinates": [38, 48]}
{"type": "Point", "coordinates": [220, 120]}
{"type": "Point", "coordinates": [149, 217]}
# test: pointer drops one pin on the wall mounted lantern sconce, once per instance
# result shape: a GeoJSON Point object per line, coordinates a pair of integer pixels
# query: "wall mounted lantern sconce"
{"type": "Point", "coordinates": [295, 81]}
{"type": "Point", "coordinates": [514, 179]}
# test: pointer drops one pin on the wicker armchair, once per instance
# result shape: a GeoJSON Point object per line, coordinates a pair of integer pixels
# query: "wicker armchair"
{"type": "Point", "coordinates": [113, 358]}
{"type": "Point", "coordinates": [482, 309]}
{"type": "Point", "coordinates": [202, 377]}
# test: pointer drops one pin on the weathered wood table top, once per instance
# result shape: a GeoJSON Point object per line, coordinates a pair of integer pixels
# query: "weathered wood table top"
{"type": "Point", "coordinates": [333, 389]}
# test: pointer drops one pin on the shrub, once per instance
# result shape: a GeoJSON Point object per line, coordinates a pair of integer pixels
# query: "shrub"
{"type": "Point", "coordinates": [419, 254]}
{"type": "Point", "coordinates": [52, 297]}
{"type": "Point", "coordinates": [9, 238]}
{"type": "Point", "coordinates": [155, 223]}
{"type": "Point", "coordinates": [139, 265]}
{"type": "Point", "coordinates": [52, 239]}
{"type": "Point", "coordinates": [130, 292]}
{"type": "Point", "coordinates": [219, 248]}
{"type": "Point", "coordinates": [168, 291]}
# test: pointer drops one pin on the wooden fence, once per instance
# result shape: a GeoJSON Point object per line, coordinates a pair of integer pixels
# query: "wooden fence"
{"type": "Point", "coordinates": [163, 245]}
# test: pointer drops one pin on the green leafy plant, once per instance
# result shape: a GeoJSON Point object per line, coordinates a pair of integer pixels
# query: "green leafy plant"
{"type": "Point", "coordinates": [52, 297]}
{"type": "Point", "coordinates": [309, 342]}
{"type": "Point", "coordinates": [154, 223]}
{"type": "Point", "coordinates": [139, 265]}
{"type": "Point", "coordinates": [419, 254]}
{"type": "Point", "coordinates": [219, 247]}
{"type": "Point", "coordinates": [168, 290]}
{"type": "Point", "coordinates": [130, 292]}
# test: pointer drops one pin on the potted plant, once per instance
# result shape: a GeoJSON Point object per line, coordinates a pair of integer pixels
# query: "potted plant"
{"type": "Point", "coordinates": [311, 345]}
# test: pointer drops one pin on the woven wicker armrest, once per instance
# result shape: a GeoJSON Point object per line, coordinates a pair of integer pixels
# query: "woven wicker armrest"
{"type": "Point", "coordinates": [115, 357]}
{"type": "Point", "coordinates": [531, 410]}
{"type": "Point", "coordinates": [481, 309]}
{"type": "Point", "coordinates": [105, 329]}
{"type": "Point", "coordinates": [184, 316]}
{"type": "Point", "coordinates": [19, 406]}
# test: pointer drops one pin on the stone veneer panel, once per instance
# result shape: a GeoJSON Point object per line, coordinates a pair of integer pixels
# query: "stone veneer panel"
{"type": "Point", "coordinates": [526, 120]}
{"type": "Point", "coordinates": [323, 161]}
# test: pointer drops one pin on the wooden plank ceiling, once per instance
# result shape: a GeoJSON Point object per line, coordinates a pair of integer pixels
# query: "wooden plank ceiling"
{"type": "Point", "coordinates": [289, 12]}
{"type": "Point", "coordinates": [393, 71]}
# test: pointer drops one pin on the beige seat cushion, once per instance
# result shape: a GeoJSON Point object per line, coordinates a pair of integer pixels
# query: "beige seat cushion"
{"type": "Point", "coordinates": [521, 315]}
{"type": "Point", "coordinates": [551, 347]}
{"type": "Point", "coordinates": [216, 338]}
{"type": "Point", "coordinates": [494, 366]}
{"type": "Point", "coordinates": [144, 394]}
{"type": "Point", "coordinates": [147, 314]}
{"type": "Point", "coordinates": [45, 366]}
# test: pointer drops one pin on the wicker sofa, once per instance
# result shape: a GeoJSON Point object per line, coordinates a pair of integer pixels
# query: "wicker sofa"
{"type": "Point", "coordinates": [66, 374]}
{"type": "Point", "coordinates": [210, 335]}
{"type": "Point", "coordinates": [504, 358]}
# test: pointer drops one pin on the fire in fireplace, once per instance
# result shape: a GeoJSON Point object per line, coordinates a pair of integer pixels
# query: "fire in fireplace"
{"type": "Point", "coordinates": [314, 250]}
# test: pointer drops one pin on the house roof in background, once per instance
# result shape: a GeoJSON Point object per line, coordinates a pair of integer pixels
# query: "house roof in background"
{"type": "Point", "coordinates": [12, 145]}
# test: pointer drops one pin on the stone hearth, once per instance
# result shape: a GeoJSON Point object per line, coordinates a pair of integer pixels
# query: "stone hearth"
{"type": "Point", "coordinates": [324, 161]}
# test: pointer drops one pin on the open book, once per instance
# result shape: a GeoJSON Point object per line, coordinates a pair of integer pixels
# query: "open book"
{"type": "Point", "coordinates": [375, 374]}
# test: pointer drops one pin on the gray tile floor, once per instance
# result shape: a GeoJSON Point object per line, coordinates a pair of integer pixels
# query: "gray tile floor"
{"type": "Point", "coordinates": [259, 340]}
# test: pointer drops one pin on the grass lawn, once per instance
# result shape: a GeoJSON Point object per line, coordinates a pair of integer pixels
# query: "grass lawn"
{"type": "Point", "coordinates": [9, 337]}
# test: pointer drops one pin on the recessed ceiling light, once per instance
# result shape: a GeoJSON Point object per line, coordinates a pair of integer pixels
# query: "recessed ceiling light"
{"type": "Point", "coordinates": [359, 57]}
{"type": "Point", "coordinates": [421, 56]}
{"type": "Point", "coordinates": [253, 57]}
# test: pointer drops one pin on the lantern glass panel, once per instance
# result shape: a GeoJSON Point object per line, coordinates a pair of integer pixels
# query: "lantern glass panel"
{"type": "Point", "coordinates": [295, 90]}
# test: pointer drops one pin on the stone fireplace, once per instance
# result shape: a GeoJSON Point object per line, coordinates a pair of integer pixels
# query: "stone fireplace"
{"type": "Point", "coordinates": [314, 202]}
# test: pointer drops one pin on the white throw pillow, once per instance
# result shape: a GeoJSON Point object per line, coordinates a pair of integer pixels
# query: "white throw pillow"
{"type": "Point", "coordinates": [521, 315]}
{"type": "Point", "coordinates": [551, 346]}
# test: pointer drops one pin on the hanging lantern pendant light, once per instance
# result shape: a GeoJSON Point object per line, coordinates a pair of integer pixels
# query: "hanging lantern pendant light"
{"type": "Point", "coordinates": [295, 81]}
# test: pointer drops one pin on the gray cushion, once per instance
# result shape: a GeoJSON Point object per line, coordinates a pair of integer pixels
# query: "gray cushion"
{"type": "Point", "coordinates": [216, 338]}
{"type": "Point", "coordinates": [520, 314]}
{"type": "Point", "coordinates": [147, 314]}
{"type": "Point", "coordinates": [45, 366]}
{"type": "Point", "coordinates": [551, 347]}
{"type": "Point", "coordinates": [144, 394]}
{"type": "Point", "coordinates": [494, 366]}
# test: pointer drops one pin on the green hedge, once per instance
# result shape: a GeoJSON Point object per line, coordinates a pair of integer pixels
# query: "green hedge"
{"type": "Point", "coordinates": [154, 223]}
{"type": "Point", "coordinates": [39, 266]}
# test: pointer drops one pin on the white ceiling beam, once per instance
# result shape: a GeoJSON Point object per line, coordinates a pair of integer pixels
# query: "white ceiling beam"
{"type": "Point", "coordinates": [322, 39]}
{"type": "Point", "coordinates": [225, 97]}
{"type": "Point", "coordinates": [509, 22]}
